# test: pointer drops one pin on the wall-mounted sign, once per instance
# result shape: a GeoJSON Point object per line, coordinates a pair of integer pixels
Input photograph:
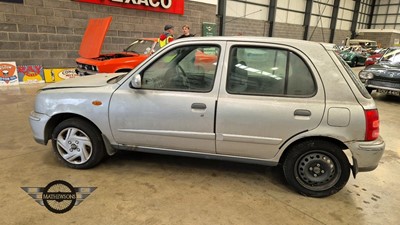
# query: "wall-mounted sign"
{"type": "Point", "coordinates": [8, 73]}
{"type": "Point", "coordinates": [30, 74]}
{"type": "Point", "coordinates": [165, 6]}
{"type": "Point", "coordinates": [13, 1]}
{"type": "Point", "coordinates": [209, 29]}
{"type": "Point", "coordinates": [59, 74]}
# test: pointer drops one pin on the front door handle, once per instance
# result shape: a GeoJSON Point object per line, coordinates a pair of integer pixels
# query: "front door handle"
{"type": "Point", "coordinates": [199, 106]}
{"type": "Point", "coordinates": [302, 112]}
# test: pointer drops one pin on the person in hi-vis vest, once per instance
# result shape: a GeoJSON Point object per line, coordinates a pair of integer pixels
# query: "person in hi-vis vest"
{"type": "Point", "coordinates": [167, 36]}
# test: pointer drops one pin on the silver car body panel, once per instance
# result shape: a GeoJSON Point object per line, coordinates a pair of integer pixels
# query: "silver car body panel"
{"type": "Point", "coordinates": [243, 127]}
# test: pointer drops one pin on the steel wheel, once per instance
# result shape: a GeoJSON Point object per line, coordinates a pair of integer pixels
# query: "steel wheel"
{"type": "Point", "coordinates": [317, 171]}
{"type": "Point", "coordinates": [316, 168]}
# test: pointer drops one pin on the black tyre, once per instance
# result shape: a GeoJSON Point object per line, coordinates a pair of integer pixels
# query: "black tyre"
{"type": "Point", "coordinates": [369, 90]}
{"type": "Point", "coordinates": [78, 144]}
{"type": "Point", "coordinates": [316, 168]}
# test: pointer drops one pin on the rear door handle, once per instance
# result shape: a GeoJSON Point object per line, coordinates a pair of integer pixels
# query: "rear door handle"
{"type": "Point", "coordinates": [302, 112]}
{"type": "Point", "coordinates": [199, 106]}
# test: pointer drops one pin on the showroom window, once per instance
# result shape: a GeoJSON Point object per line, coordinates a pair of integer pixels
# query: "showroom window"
{"type": "Point", "coordinates": [183, 69]}
{"type": "Point", "coordinates": [268, 71]}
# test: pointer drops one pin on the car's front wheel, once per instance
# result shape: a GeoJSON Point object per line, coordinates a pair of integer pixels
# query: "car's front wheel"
{"type": "Point", "coordinates": [78, 144]}
{"type": "Point", "coordinates": [316, 168]}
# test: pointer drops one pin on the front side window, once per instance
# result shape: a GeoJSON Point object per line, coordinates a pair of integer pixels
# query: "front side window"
{"type": "Point", "coordinates": [267, 71]}
{"type": "Point", "coordinates": [189, 68]}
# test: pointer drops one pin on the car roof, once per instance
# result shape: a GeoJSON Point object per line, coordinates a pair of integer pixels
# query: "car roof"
{"type": "Point", "coordinates": [285, 41]}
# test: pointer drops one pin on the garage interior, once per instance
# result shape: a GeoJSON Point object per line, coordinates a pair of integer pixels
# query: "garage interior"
{"type": "Point", "coordinates": [139, 188]}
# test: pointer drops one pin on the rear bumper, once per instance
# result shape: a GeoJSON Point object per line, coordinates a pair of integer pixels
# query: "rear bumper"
{"type": "Point", "coordinates": [366, 154]}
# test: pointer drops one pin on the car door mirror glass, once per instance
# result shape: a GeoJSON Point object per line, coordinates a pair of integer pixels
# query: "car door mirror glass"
{"type": "Point", "coordinates": [136, 81]}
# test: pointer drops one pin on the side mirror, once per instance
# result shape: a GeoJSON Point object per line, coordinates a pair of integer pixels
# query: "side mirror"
{"type": "Point", "coordinates": [136, 81]}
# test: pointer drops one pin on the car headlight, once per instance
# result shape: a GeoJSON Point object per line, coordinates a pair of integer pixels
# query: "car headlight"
{"type": "Point", "coordinates": [366, 75]}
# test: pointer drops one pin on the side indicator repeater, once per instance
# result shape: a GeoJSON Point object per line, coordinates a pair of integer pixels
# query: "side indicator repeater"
{"type": "Point", "coordinates": [97, 103]}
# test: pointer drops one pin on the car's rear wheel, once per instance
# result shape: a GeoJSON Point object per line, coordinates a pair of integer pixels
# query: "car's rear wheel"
{"type": "Point", "coordinates": [316, 168]}
{"type": "Point", "coordinates": [78, 144]}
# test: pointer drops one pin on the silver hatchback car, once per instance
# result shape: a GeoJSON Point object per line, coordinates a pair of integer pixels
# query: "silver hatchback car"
{"type": "Point", "coordinates": [260, 100]}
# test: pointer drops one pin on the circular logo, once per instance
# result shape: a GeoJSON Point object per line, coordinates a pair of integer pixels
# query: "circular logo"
{"type": "Point", "coordinates": [59, 196]}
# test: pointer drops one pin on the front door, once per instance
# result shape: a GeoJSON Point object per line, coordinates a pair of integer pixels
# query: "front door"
{"type": "Point", "coordinates": [175, 108]}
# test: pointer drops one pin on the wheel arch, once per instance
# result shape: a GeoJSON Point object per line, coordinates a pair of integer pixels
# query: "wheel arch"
{"type": "Point", "coordinates": [311, 138]}
{"type": "Point", "coordinates": [58, 118]}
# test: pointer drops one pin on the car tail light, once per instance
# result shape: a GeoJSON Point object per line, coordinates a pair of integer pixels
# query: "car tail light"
{"type": "Point", "coordinates": [372, 124]}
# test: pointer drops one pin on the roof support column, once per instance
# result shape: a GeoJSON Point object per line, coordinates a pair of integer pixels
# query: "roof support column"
{"type": "Point", "coordinates": [334, 17]}
{"type": "Point", "coordinates": [371, 14]}
{"type": "Point", "coordinates": [222, 16]}
{"type": "Point", "coordinates": [307, 17]}
{"type": "Point", "coordinates": [271, 17]}
{"type": "Point", "coordinates": [355, 18]}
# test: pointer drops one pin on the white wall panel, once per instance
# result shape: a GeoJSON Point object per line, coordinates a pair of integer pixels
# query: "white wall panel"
{"type": "Point", "coordinates": [380, 19]}
{"type": "Point", "coordinates": [382, 9]}
{"type": "Point", "coordinates": [299, 5]}
{"type": "Point", "coordinates": [281, 16]}
{"type": "Point", "coordinates": [348, 4]}
{"type": "Point", "coordinates": [214, 2]}
{"type": "Point", "coordinates": [256, 12]}
{"type": "Point", "coordinates": [322, 9]}
{"type": "Point", "coordinates": [344, 25]}
{"type": "Point", "coordinates": [325, 21]}
{"type": "Point", "coordinates": [283, 3]}
{"type": "Point", "coordinates": [295, 18]}
{"type": "Point", "coordinates": [393, 9]}
{"type": "Point", "coordinates": [391, 19]}
{"type": "Point", "coordinates": [262, 2]}
{"type": "Point", "coordinates": [235, 9]}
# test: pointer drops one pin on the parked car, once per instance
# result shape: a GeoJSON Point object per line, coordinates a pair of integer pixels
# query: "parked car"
{"type": "Point", "coordinates": [91, 61]}
{"type": "Point", "coordinates": [364, 43]}
{"type": "Point", "coordinates": [267, 101]}
{"type": "Point", "coordinates": [123, 61]}
{"type": "Point", "coordinates": [384, 77]}
{"type": "Point", "coordinates": [354, 56]}
{"type": "Point", "coordinates": [374, 58]}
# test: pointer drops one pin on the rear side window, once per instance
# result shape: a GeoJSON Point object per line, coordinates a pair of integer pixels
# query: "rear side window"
{"type": "Point", "coordinates": [268, 71]}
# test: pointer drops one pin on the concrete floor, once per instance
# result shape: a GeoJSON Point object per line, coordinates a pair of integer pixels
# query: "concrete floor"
{"type": "Point", "coordinates": [137, 188]}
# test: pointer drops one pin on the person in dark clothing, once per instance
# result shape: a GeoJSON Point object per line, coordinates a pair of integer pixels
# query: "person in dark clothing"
{"type": "Point", "coordinates": [186, 32]}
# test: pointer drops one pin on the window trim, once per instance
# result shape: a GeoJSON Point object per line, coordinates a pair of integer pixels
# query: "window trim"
{"type": "Point", "coordinates": [195, 46]}
{"type": "Point", "coordinates": [286, 77]}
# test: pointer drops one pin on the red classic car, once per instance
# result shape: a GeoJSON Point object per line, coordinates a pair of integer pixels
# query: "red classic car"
{"type": "Point", "coordinates": [91, 61]}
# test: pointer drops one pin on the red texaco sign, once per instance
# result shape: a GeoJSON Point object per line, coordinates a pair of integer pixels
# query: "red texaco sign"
{"type": "Point", "coordinates": [165, 6]}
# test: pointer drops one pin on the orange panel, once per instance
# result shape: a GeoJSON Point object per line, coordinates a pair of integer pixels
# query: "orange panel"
{"type": "Point", "coordinates": [93, 39]}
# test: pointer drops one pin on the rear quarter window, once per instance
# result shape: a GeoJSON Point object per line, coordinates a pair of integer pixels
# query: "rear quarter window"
{"type": "Point", "coordinates": [360, 86]}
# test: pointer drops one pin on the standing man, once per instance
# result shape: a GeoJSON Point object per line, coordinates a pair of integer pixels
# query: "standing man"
{"type": "Point", "coordinates": [186, 32]}
{"type": "Point", "coordinates": [167, 36]}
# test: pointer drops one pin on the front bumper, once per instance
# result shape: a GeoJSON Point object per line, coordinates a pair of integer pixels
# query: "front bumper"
{"type": "Point", "coordinates": [83, 72]}
{"type": "Point", "coordinates": [38, 123]}
{"type": "Point", "coordinates": [366, 154]}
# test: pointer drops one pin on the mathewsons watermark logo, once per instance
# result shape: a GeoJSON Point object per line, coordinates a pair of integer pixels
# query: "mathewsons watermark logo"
{"type": "Point", "coordinates": [59, 196]}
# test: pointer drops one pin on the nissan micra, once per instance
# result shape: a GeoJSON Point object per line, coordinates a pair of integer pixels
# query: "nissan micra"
{"type": "Point", "coordinates": [259, 100]}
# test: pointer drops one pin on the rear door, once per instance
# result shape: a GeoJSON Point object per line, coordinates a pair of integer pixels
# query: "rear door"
{"type": "Point", "coordinates": [268, 94]}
